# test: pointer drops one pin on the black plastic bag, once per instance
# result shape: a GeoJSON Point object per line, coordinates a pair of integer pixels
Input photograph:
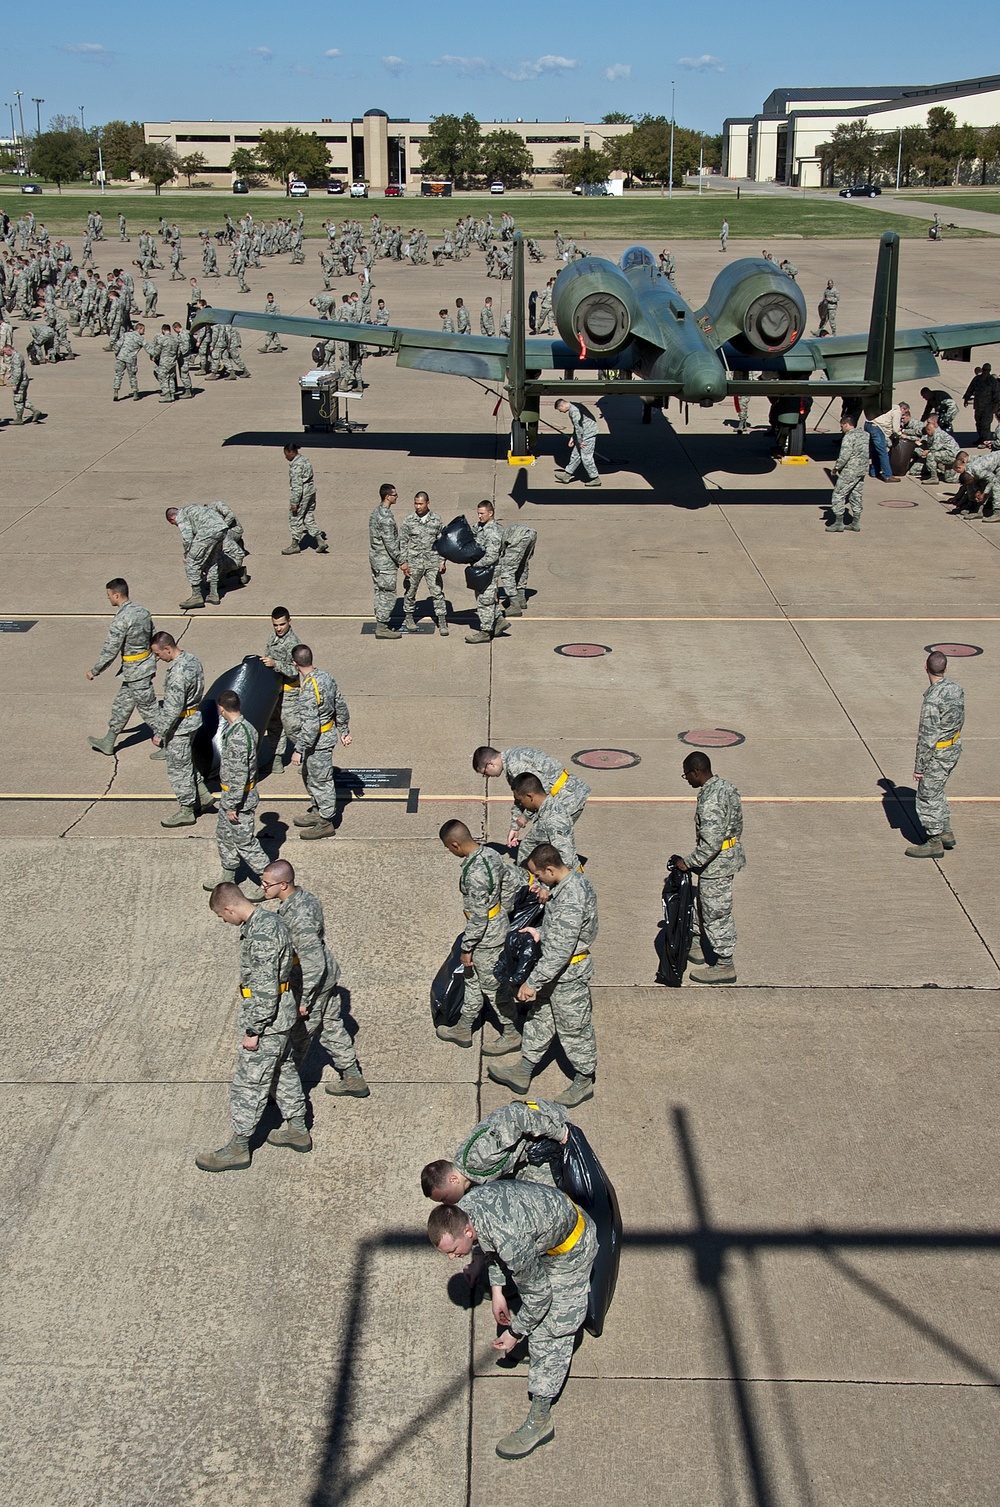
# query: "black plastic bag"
{"type": "Point", "coordinates": [520, 952]}
{"type": "Point", "coordinates": [457, 542]}
{"type": "Point", "coordinates": [478, 577]}
{"type": "Point", "coordinates": [448, 988]}
{"type": "Point", "coordinates": [258, 688]}
{"type": "Point", "coordinates": [673, 940]}
{"type": "Point", "coordinates": [588, 1185]}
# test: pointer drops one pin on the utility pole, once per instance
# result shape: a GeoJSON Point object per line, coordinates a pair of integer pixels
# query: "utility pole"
{"type": "Point", "coordinates": [38, 103]}
{"type": "Point", "coordinates": [100, 161]}
{"type": "Point", "coordinates": [701, 162]}
{"type": "Point", "coordinates": [83, 128]}
{"type": "Point", "coordinates": [670, 189]}
{"type": "Point", "coordinates": [899, 158]}
{"type": "Point", "coordinates": [20, 116]}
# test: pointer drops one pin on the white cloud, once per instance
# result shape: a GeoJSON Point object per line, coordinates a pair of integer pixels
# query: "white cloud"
{"type": "Point", "coordinates": [705, 64]}
{"type": "Point", "coordinates": [617, 71]}
{"type": "Point", "coordinates": [87, 49]}
{"type": "Point", "coordinates": [333, 52]}
{"type": "Point", "coordinates": [532, 68]}
{"type": "Point", "coordinates": [264, 53]}
{"type": "Point", "coordinates": [464, 66]}
{"type": "Point", "coordinates": [395, 65]}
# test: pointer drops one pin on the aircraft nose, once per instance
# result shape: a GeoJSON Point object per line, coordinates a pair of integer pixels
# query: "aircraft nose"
{"type": "Point", "coordinates": [702, 378]}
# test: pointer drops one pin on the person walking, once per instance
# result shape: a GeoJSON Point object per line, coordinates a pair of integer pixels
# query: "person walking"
{"type": "Point", "coordinates": [939, 748]}
{"type": "Point", "coordinates": [128, 639]}
{"type": "Point", "coordinates": [583, 443]}
{"type": "Point", "coordinates": [717, 858]}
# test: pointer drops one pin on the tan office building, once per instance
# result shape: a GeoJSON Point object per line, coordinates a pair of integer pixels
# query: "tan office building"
{"type": "Point", "coordinates": [374, 147]}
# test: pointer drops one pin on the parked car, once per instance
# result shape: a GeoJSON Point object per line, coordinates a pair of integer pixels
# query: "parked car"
{"type": "Point", "coordinates": [393, 191]}
{"type": "Point", "coordinates": [335, 186]}
{"type": "Point", "coordinates": [298, 190]}
{"type": "Point", "coordinates": [30, 188]}
{"type": "Point", "coordinates": [497, 187]}
{"type": "Point", "coordinates": [861, 191]}
{"type": "Point", "coordinates": [240, 186]}
{"type": "Point", "coordinates": [359, 190]}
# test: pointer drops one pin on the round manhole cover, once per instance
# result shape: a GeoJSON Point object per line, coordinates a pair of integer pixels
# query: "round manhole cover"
{"type": "Point", "coordinates": [582, 651]}
{"type": "Point", "coordinates": [896, 502]}
{"type": "Point", "coordinates": [711, 737]}
{"type": "Point", "coordinates": [955, 651]}
{"type": "Point", "coordinates": [606, 758]}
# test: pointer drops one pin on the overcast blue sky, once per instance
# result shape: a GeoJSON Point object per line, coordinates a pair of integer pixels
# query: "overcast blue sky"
{"type": "Point", "coordinates": [300, 62]}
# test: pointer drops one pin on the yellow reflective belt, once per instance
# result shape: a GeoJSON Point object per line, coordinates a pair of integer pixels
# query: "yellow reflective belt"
{"type": "Point", "coordinates": [191, 712]}
{"type": "Point", "coordinates": [130, 659]}
{"type": "Point", "coordinates": [947, 742]}
{"type": "Point", "coordinates": [730, 842]}
{"type": "Point", "coordinates": [248, 993]}
{"type": "Point", "coordinates": [246, 788]}
{"type": "Point", "coordinates": [491, 915]}
{"type": "Point", "coordinates": [579, 958]}
{"type": "Point", "coordinates": [571, 1240]}
{"type": "Point", "coordinates": [289, 685]}
{"type": "Point", "coordinates": [560, 782]}
{"type": "Point", "coordinates": [326, 727]}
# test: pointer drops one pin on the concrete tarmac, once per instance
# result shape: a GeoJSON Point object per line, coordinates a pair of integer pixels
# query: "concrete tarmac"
{"type": "Point", "coordinates": [806, 1161]}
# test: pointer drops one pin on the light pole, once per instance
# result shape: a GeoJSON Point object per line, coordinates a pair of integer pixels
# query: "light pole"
{"type": "Point", "coordinates": [701, 161]}
{"type": "Point", "coordinates": [83, 128]}
{"type": "Point", "coordinates": [100, 161]}
{"type": "Point", "coordinates": [899, 158]}
{"type": "Point", "coordinates": [20, 116]}
{"type": "Point", "coordinates": [38, 103]}
{"type": "Point", "coordinates": [670, 188]}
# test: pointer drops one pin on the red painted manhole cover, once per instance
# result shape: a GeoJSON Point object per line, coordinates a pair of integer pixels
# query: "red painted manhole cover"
{"type": "Point", "coordinates": [582, 651]}
{"type": "Point", "coordinates": [711, 737]}
{"type": "Point", "coordinates": [896, 502]}
{"type": "Point", "coordinates": [606, 758]}
{"type": "Point", "coordinates": [955, 651]}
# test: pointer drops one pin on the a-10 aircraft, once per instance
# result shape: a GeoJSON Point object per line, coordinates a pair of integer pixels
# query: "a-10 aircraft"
{"type": "Point", "coordinates": [627, 328]}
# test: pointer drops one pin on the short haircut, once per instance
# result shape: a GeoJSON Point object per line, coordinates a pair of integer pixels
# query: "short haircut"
{"type": "Point", "coordinates": [434, 1176]}
{"type": "Point", "coordinates": [442, 313]}
{"type": "Point", "coordinates": [697, 763]}
{"type": "Point", "coordinates": [118, 584]}
{"type": "Point", "coordinates": [163, 640]}
{"type": "Point", "coordinates": [484, 755]}
{"type": "Point", "coordinates": [562, 403]}
{"type": "Point", "coordinates": [527, 784]}
{"type": "Point", "coordinates": [937, 663]}
{"type": "Point", "coordinates": [302, 656]}
{"type": "Point", "coordinates": [384, 490]}
{"type": "Point", "coordinates": [545, 856]}
{"type": "Point", "coordinates": [486, 504]}
{"type": "Point", "coordinates": [223, 895]}
{"type": "Point", "coordinates": [229, 701]}
{"type": "Point", "coordinates": [455, 831]}
{"type": "Point", "coordinates": [421, 494]}
{"type": "Point", "coordinates": [446, 1219]}
{"type": "Point", "coordinates": [280, 871]}
{"type": "Point", "coordinates": [279, 612]}
{"type": "Point", "coordinates": [962, 455]}
{"type": "Point", "coordinates": [171, 513]}
{"type": "Point", "coordinates": [292, 445]}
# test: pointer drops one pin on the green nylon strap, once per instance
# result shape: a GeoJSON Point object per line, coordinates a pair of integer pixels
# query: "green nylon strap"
{"type": "Point", "coordinates": [468, 1147]}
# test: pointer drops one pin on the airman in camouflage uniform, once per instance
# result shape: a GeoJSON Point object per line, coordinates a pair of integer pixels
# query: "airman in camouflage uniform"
{"type": "Point", "coordinates": [271, 341]}
{"type": "Point", "coordinates": [385, 558]}
{"type": "Point", "coordinates": [571, 791]}
{"type": "Point", "coordinates": [163, 354]}
{"type": "Point", "coordinates": [942, 404]}
{"type": "Point", "coordinates": [267, 1015]}
{"type": "Point", "coordinates": [487, 323]}
{"type": "Point", "coordinates": [420, 562]}
{"type": "Point", "coordinates": [717, 858]}
{"type": "Point", "coordinates": [127, 348]}
{"type": "Point", "coordinates": [978, 479]}
{"type": "Point", "coordinates": [935, 454]}
{"type": "Point", "coordinates": [315, 981]}
{"type": "Point", "coordinates": [488, 534]}
{"type": "Point", "coordinates": [851, 470]}
{"type": "Point", "coordinates": [828, 305]}
{"type": "Point", "coordinates": [519, 542]}
{"type": "Point", "coordinates": [939, 748]}
{"type": "Point", "coordinates": [235, 831]}
{"type": "Point", "coordinates": [323, 718]}
{"type": "Point", "coordinates": [202, 531]}
{"type": "Point", "coordinates": [487, 886]}
{"type": "Point", "coordinates": [277, 656]}
{"type": "Point", "coordinates": [302, 503]}
{"type": "Point", "coordinates": [17, 378]}
{"type": "Point", "coordinates": [129, 636]}
{"type": "Point", "coordinates": [557, 991]}
{"type": "Point", "coordinates": [583, 443]}
{"type": "Point", "coordinates": [537, 1238]}
{"type": "Point", "coordinates": [519, 1139]}
{"type": "Point", "coordinates": [177, 720]}
{"type": "Point", "coordinates": [548, 821]}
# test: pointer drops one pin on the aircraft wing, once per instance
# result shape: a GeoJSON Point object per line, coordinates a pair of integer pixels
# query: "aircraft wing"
{"type": "Point", "coordinates": [482, 356]}
{"type": "Point", "coordinates": [842, 358]}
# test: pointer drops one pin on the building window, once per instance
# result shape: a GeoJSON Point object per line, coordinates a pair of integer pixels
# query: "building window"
{"type": "Point", "coordinates": [203, 138]}
{"type": "Point", "coordinates": [241, 138]}
{"type": "Point", "coordinates": [336, 140]}
{"type": "Point", "coordinates": [552, 141]}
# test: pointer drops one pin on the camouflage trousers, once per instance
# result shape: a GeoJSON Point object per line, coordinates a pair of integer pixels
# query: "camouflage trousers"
{"type": "Point", "coordinates": [514, 564]}
{"type": "Point", "coordinates": [489, 610]}
{"type": "Point", "coordinates": [256, 1072]}
{"type": "Point", "coordinates": [180, 767]}
{"type": "Point", "coordinates": [271, 342]}
{"type": "Point", "coordinates": [166, 372]}
{"type": "Point", "coordinates": [932, 805]}
{"type": "Point", "coordinates": [384, 586]}
{"type": "Point", "coordinates": [132, 367]}
{"type": "Point", "coordinates": [847, 494]}
{"type": "Point", "coordinates": [325, 1023]}
{"type": "Point", "coordinates": [288, 711]}
{"type": "Point", "coordinates": [582, 454]}
{"type": "Point", "coordinates": [132, 695]}
{"type": "Point", "coordinates": [201, 563]}
{"type": "Point", "coordinates": [550, 1345]}
{"type": "Point", "coordinates": [184, 373]}
{"type": "Point", "coordinates": [20, 396]}
{"type": "Point", "coordinates": [302, 519]}
{"type": "Point", "coordinates": [562, 1010]}
{"type": "Point", "coordinates": [430, 574]}
{"type": "Point", "coordinates": [317, 776]}
{"type": "Point", "coordinates": [715, 913]}
{"type": "Point", "coordinates": [931, 468]}
{"type": "Point", "coordinates": [481, 985]}
{"type": "Point", "coordinates": [239, 839]}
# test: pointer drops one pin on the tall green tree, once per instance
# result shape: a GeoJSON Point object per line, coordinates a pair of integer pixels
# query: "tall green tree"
{"type": "Point", "coordinates": [581, 165]}
{"type": "Point", "coordinates": [616, 118]}
{"type": "Point", "coordinates": [121, 145]}
{"type": "Point", "coordinates": [293, 152]}
{"type": "Point", "coordinates": [158, 163]}
{"type": "Point", "coordinates": [453, 148]}
{"type": "Point", "coordinates": [192, 164]}
{"type": "Point", "coordinates": [504, 158]}
{"type": "Point", "coordinates": [60, 156]}
{"type": "Point", "coordinates": [243, 164]}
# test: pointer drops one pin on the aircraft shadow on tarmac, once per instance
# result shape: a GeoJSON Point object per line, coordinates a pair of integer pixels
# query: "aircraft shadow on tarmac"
{"type": "Point", "coordinates": [754, 1449]}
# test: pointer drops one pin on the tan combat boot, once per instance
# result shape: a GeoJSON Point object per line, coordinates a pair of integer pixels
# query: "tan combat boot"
{"type": "Point", "coordinates": [232, 1157]}
{"type": "Point", "coordinates": [292, 1134]}
{"type": "Point", "coordinates": [536, 1429]}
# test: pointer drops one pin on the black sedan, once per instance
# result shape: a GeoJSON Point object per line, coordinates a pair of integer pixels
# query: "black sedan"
{"type": "Point", "coordinates": [861, 191]}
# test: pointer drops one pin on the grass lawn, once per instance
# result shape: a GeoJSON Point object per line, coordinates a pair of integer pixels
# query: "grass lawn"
{"type": "Point", "coordinates": [640, 217]}
{"type": "Point", "coordinates": [985, 200]}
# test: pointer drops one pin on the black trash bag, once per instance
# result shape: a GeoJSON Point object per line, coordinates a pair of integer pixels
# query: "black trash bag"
{"type": "Point", "coordinates": [478, 577]}
{"type": "Point", "coordinates": [585, 1181]}
{"type": "Point", "coordinates": [901, 455]}
{"type": "Point", "coordinates": [259, 689]}
{"type": "Point", "coordinates": [520, 952]}
{"type": "Point", "coordinates": [457, 542]}
{"type": "Point", "coordinates": [448, 988]}
{"type": "Point", "coordinates": [673, 939]}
